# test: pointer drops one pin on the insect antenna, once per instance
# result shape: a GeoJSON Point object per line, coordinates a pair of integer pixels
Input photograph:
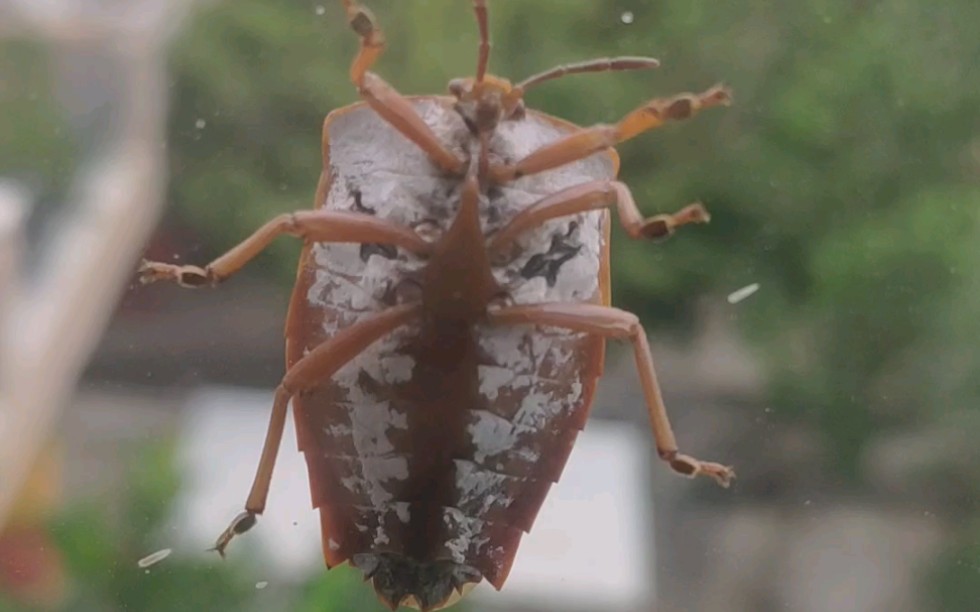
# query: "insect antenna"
{"type": "Point", "coordinates": [480, 8]}
{"type": "Point", "coordinates": [597, 65]}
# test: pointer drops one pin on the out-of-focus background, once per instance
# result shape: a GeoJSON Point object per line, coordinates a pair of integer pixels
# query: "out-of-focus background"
{"type": "Point", "coordinates": [845, 183]}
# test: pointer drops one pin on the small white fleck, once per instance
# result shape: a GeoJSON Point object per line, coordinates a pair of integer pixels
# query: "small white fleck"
{"type": "Point", "coordinates": [626, 17]}
{"type": "Point", "coordinates": [200, 124]}
{"type": "Point", "coordinates": [154, 558]}
{"type": "Point", "coordinates": [380, 537]}
{"type": "Point", "coordinates": [261, 584]}
{"type": "Point", "coordinates": [737, 296]}
{"type": "Point", "coordinates": [332, 544]}
{"type": "Point", "coordinates": [320, 10]}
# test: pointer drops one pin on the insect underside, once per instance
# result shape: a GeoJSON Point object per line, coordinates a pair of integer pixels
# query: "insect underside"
{"type": "Point", "coordinates": [448, 323]}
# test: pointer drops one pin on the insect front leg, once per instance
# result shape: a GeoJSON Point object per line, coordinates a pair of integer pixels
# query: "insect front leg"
{"type": "Point", "coordinates": [384, 99]}
{"type": "Point", "coordinates": [311, 225]}
{"type": "Point", "coordinates": [611, 322]}
{"type": "Point", "coordinates": [596, 195]}
{"type": "Point", "coordinates": [316, 366]}
{"type": "Point", "coordinates": [587, 141]}
{"type": "Point", "coordinates": [482, 22]}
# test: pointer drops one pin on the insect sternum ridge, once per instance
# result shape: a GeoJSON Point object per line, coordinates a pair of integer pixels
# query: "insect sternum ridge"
{"type": "Point", "coordinates": [458, 282]}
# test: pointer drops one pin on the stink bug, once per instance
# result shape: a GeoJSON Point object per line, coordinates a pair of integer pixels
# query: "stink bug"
{"type": "Point", "coordinates": [448, 323]}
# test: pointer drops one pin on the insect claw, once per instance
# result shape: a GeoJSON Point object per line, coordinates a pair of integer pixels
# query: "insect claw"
{"type": "Point", "coordinates": [660, 227]}
{"type": "Point", "coordinates": [220, 549]}
{"type": "Point", "coordinates": [692, 468]}
{"type": "Point", "coordinates": [723, 474]}
{"type": "Point", "coordinates": [239, 525]}
{"type": "Point", "coordinates": [191, 277]}
{"type": "Point", "coordinates": [147, 272]}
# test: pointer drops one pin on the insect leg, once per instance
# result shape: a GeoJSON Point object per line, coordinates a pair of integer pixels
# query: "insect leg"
{"type": "Point", "coordinates": [312, 225]}
{"type": "Point", "coordinates": [317, 365]}
{"type": "Point", "coordinates": [483, 59]}
{"type": "Point", "coordinates": [587, 141]}
{"type": "Point", "coordinates": [614, 323]}
{"type": "Point", "coordinates": [596, 195]}
{"type": "Point", "coordinates": [384, 99]}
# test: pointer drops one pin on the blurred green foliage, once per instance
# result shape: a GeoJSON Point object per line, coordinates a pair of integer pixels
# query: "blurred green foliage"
{"type": "Point", "coordinates": [844, 180]}
{"type": "Point", "coordinates": [101, 551]}
{"type": "Point", "coordinates": [101, 543]}
{"type": "Point", "coordinates": [954, 577]}
{"type": "Point", "coordinates": [33, 139]}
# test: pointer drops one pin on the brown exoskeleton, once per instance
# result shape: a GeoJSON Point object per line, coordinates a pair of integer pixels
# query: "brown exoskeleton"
{"type": "Point", "coordinates": [448, 323]}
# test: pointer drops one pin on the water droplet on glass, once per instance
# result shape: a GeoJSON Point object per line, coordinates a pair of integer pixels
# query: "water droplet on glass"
{"type": "Point", "coordinates": [740, 294]}
{"type": "Point", "coordinates": [154, 558]}
{"type": "Point", "coordinates": [200, 123]}
{"type": "Point", "coordinates": [626, 17]}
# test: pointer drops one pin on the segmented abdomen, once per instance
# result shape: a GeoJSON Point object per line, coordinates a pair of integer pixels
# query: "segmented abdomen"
{"type": "Point", "coordinates": [440, 442]}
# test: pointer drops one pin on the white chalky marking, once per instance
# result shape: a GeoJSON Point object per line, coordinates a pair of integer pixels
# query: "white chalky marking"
{"type": "Point", "coordinates": [399, 184]}
{"type": "Point", "coordinates": [480, 487]}
{"type": "Point", "coordinates": [380, 536]}
{"type": "Point", "coordinates": [467, 529]}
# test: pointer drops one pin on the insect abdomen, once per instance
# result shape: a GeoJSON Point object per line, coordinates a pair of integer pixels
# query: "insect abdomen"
{"type": "Point", "coordinates": [431, 453]}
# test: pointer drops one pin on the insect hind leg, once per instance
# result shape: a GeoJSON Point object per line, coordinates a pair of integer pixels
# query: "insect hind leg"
{"type": "Point", "coordinates": [319, 364]}
{"type": "Point", "coordinates": [610, 322]}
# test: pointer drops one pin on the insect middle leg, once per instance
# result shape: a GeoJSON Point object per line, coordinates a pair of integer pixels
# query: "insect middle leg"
{"type": "Point", "coordinates": [587, 141]}
{"type": "Point", "coordinates": [312, 225]}
{"type": "Point", "coordinates": [596, 195]}
{"type": "Point", "coordinates": [316, 366]}
{"type": "Point", "coordinates": [615, 323]}
{"type": "Point", "coordinates": [384, 99]}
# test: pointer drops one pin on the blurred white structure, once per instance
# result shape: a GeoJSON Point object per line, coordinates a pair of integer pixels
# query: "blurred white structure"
{"type": "Point", "coordinates": [590, 548]}
{"type": "Point", "coordinates": [51, 322]}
